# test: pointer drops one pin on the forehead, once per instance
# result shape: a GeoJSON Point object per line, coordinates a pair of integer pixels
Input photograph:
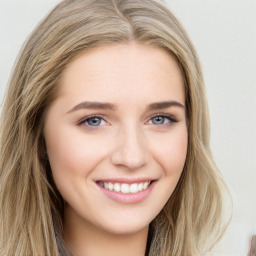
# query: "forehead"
{"type": "Point", "coordinates": [130, 70]}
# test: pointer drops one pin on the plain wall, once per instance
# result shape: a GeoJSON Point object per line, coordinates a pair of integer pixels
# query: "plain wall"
{"type": "Point", "coordinates": [224, 34]}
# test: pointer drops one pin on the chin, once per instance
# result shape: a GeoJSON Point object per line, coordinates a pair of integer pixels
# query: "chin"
{"type": "Point", "coordinates": [125, 228]}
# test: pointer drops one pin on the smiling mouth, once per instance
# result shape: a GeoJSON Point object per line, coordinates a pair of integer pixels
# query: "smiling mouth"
{"type": "Point", "coordinates": [125, 188]}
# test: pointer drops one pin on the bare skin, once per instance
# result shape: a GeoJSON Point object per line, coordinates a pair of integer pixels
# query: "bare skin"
{"type": "Point", "coordinates": [98, 242]}
{"type": "Point", "coordinates": [116, 138]}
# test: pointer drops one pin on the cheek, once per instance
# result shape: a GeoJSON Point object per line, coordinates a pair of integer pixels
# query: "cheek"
{"type": "Point", "coordinates": [71, 157]}
{"type": "Point", "coordinates": [171, 153]}
{"type": "Point", "coordinates": [64, 162]}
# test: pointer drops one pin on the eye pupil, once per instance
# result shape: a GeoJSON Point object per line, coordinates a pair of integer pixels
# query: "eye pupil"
{"type": "Point", "coordinates": [158, 120]}
{"type": "Point", "coordinates": [94, 121]}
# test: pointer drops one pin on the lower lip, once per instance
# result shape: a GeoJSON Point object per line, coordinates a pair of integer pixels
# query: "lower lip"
{"type": "Point", "coordinates": [129, 198]}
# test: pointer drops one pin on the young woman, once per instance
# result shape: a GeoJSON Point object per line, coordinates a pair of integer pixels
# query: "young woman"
{"type": "Point", "coordinates": [104, 138]}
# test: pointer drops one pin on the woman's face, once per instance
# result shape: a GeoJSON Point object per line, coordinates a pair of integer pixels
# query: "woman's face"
{"type": "Point", "coordinates": [116, 136]}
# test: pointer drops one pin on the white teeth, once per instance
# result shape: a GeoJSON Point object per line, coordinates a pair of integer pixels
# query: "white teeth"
{"type": "Point", "coordinates": [106, 185]}
{"type": "Point", "coordinates": [125, 188]}
{"type": "Point", "coordinates": [140, 187]}
{"type": "Point", "coordinates": [145, 185]}
{"type": "Point", "coordinates": [134, 188]}
{"type": "Point", "coordinates": [110, 186]}
{"type": "Point", "coordinates": [117, 187]}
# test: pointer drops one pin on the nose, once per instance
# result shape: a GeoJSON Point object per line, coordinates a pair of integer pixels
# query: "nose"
{"type": "Point", "coordinates": [130, 150]}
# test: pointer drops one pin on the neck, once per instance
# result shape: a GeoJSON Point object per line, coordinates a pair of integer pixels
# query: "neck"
{"type": "Point", "coordinates": [85, 239]}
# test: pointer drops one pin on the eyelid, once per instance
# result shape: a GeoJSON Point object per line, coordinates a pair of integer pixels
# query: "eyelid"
{"type": "Point", "coordinates": [168, 116]}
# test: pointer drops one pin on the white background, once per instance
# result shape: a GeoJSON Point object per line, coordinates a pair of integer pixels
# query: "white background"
{"type": "Point", "coordinates": [224, 34]}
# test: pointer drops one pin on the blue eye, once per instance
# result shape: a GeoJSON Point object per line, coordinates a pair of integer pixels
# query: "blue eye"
{"type": "Point", "coordinates": [158, 120]}
{"type": "Point", "coordinates": [94, 121]}
{"type": "Point", "coordinates": [162, 120]}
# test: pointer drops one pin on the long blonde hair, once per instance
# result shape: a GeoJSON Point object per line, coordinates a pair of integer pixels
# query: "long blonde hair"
{"type": "Point", "coordinates": [30, 206]}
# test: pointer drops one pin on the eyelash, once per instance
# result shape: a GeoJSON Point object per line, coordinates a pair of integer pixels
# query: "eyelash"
{"type": "Point", "coordinates": [169, 117]}
{"type": "Point", "coordinates": [92, 127]}
{"type": "Point", "coordinates": [85, 121]}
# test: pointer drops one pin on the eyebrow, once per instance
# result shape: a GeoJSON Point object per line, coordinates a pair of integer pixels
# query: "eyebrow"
{"type": "Point", "coordinates": [93, 105]}
{"type": "Point", "coordinates": [164, 104]}
{"type": "Point", "coordinates": [114, 107]}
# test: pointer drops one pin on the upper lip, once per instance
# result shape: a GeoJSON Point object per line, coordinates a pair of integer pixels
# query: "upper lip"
{"type": "Point", "coordinates": [126, 180]}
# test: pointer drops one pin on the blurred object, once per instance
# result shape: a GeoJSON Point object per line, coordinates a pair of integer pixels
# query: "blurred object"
{"type": "Point", "coordinates": [253, 246]}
